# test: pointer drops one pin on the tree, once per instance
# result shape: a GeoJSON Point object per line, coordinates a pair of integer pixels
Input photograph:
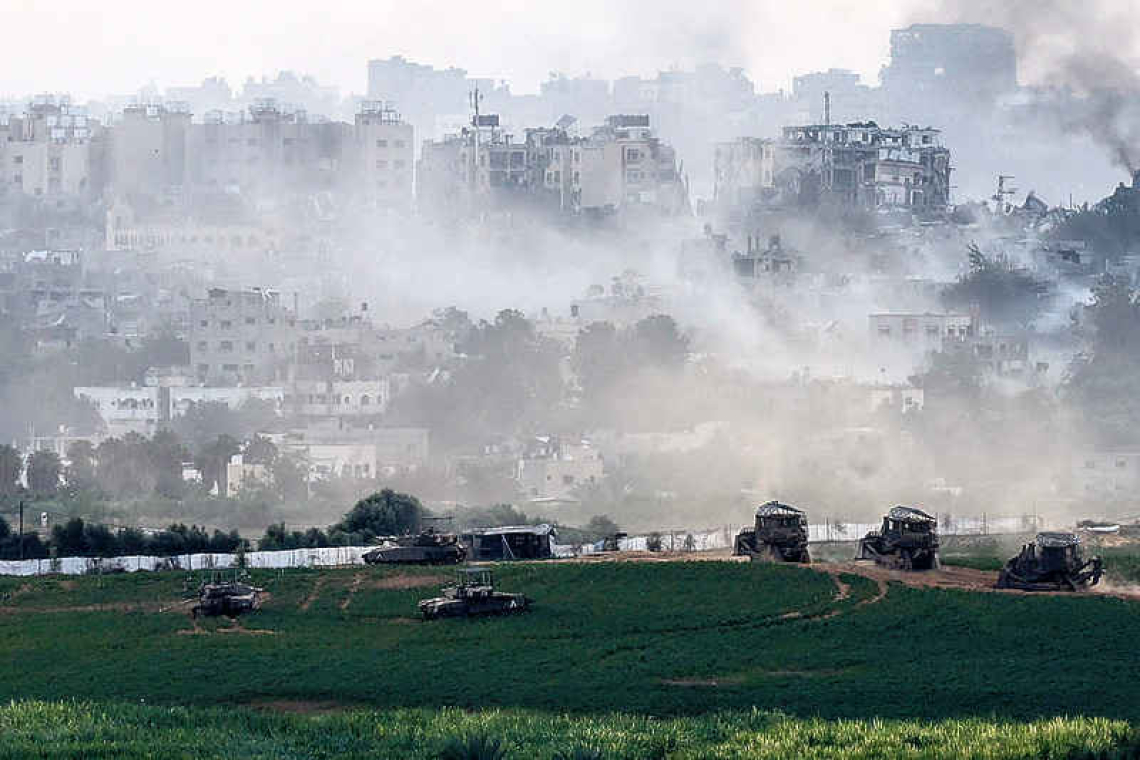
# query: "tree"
{"type": "Point", "coordinates": [44, 469]}
{"type": "Point", "coordinates": [1004, 294]}
{"type": "Point", "coordinates": [382, 514]}
{"type": "Point", "coordinates": [1103, 383]}
{"type": "Point", "coordinates": [290, 478]}
{"type": "Point", "coordinates": [80, 472]}
{"type": "Point", "coordinates": [657, 341]}
{"type": "Point", "coordinates": [166, 454]}
{"type": "Point", "coordinates": [601, 526]}
{"type": "Point", "coordinates": [68, 539]}
{"type": "Point", "coordinates": [260, 450]}
{"type": "Point", "coordinates": [11, 465]}
{"type": "Point", "coordinates": [212, 460]}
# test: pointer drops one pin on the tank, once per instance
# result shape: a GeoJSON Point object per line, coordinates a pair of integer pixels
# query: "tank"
{"type": "Point", "coordinates": [780, 535]}
{"type": "Point", "coordinates": [908, 540]}
{"type": "Point", "coordinates": [473, 594]}
{"type": "Point", "coordinates": [1052, 562]}
{"type": "Point", "coordinates": [427, 548]}
{"type": "Point", "coordinates": [229, 598]}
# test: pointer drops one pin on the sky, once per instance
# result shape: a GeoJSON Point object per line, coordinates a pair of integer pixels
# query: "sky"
{"type": "Point", "coordinates": [116, 46]}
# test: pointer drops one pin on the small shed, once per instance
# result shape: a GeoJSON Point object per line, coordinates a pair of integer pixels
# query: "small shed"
{"type": "Point", "coordinates": [511, 542]}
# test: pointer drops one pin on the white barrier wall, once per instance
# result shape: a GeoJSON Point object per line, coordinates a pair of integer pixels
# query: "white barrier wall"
{"type": "Point", "coordinates": [337, 556]}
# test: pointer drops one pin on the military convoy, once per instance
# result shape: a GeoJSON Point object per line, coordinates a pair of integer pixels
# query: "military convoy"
{"type": "Point", "coordinates": [473, 594]}
{"type": "Point", "coordinates": [1053, 562]}
{"type": "Point", "coordinates": [780, 535]}
{"type": "Point", "coordinates": [230, 598]}
{"type": "Point", "coordinates": [428, 548]}
{"type": "Point", "coordinates": [908, 540]}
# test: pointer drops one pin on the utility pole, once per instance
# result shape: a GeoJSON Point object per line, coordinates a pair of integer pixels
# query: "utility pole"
{"type": "Point", "coordinates": [21, 528]}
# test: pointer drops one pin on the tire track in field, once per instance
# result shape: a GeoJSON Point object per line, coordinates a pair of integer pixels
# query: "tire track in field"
{"type": "Point", "coordinates": [357, 579]}
{"type": "Point", "coordinates": [314, 593]}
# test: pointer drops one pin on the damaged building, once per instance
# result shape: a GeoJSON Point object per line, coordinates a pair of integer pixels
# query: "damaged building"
{"type": "Point", "coordinates": [858, 164]}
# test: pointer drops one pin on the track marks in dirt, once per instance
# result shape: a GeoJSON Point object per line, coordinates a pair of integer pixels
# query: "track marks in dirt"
{"type": "Point", "coordinates": [357, 580]}
{"type": "Point", "coordinates": [314, 593]}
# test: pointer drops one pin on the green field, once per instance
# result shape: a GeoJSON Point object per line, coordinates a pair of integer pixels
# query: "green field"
{"type": "Point", "coordinates": [665, 659]}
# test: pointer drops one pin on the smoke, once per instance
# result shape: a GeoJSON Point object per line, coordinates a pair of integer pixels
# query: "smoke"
{"type": "Point", "coordinates": [1089, 49]}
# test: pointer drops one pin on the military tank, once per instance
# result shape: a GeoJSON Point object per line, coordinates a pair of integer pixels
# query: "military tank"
{"type": "Point", "coordinates": [429, 547]}
{"type": "Point", "coordinates": [473, 594]}
{"type": "Point", "coordinates": [780, 535]}
{"type": "Point", "coordinates": [229, 598]}
{"type": "Point", "coordinates": [1053, 562]}
{"type": "Point", "coordinates": [908, 540]}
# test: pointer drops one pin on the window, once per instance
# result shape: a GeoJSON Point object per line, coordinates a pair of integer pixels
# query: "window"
{"type": "Point", "coordinates": [204, 323]}
{"type": "Point", "coordinates": [365, 400]}
{"type": "Point", "coordinates": [381, 143]}
{"type": "Point", "coordinates": [381, 164]}
{"type": "Point", "coordinates": [251, 320]}
{"type": "Point", "coordinates": [201, 345]}
{"type": "Point", "coordinates": [17, 160]}
{"type": "Point", "coordinates": [229, 368]}
{"type": "Point", "coordinates": [399, 143]}
{"type": "Point", "coordinates": [226, 324]}
{"type": "Point", "coordinates": [272, 349]}
{"type": "Point", "coordinates": [54, 163]}
{"type": "Point", "coordinates": [399, 164]}
{"type": "Point", "coordinates": [226, 345]}
{"type": "Point", "coordinates": [250, 346]}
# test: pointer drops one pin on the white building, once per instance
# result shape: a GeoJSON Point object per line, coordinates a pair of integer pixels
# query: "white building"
{"type": "Point", "coordinates": [552, 468]}
{"type": "Point", "coordinates": [128, 409]}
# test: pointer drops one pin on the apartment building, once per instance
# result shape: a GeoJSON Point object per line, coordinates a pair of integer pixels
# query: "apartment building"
{"type": "Point", "coordinates": [52, 150]}
{"type": "Point", "coordinates": [241, 337]}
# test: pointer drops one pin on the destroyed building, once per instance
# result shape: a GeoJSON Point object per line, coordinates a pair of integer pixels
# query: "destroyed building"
{"type": "Point", "coordinates": [858, 164]}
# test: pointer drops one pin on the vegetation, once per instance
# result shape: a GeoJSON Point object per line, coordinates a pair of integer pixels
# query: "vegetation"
{"type": "Point", "coordinates": [761, 664]}
{"type": "Point", "coordinates": [1006, 295]}
{"type": "Point", "coordinates": [130, 731]}
{"type": "Point", "coordinates": [609, 634]}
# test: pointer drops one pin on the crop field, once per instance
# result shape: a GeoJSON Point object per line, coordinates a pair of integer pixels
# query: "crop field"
{"type": "Point", "coordinates": [638, 659]}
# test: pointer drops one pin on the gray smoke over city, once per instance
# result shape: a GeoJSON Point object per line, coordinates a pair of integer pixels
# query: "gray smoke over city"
{"type": "Point", "coordinates": [659, 298]}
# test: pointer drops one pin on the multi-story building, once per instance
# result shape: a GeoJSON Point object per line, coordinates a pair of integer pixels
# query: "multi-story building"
{"type": "Point", "coordinates": [622, 164]}
{"type": "Point", "coordinates": [147, 154]}
{"type": "Point", "coordinates": [384, 155]}
{"type": "Point", "coordinates": [241, 336]}
{"type": "Point", "coordinates": [553, 468]}
{"type": "Point", "coordinates": [857, 164]}
{"type": "Point", "coordinates": [939, 65]}
{"type": "Point", "coordinates": [51, 150]}
{"type": "Point", "coordinates": [269, 151]}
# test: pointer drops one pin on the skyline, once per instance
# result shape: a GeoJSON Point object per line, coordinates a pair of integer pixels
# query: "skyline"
{"type": "Point", "coordinates": [259, 38]}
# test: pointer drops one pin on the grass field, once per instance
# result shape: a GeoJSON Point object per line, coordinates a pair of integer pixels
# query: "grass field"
{"type": "Point", "coordinates": [728, 659]}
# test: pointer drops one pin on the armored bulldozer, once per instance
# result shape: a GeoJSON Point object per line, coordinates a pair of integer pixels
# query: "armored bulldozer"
{"type": "Point", "coordinates": [908, 540]}
{"type": "Point", "coordinates": [229, 598]}
{"type": "Point", "coordinates": [473, 594]}
{"type": "Point", "coordinates": [427, 548]}
{"type": "Point", "coordinates": [780, 535]}
{"type": "Point", "coordinates": [1052, 562]}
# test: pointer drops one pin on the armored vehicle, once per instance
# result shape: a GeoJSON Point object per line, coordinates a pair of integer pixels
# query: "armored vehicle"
{"type": "Point", "coordinates": [229, 598]}
{"type": "Point", "coordinates": [473, 594]}
{"type": "Point", "coordinates": [427, 548]}
{"type": "Point", "coordinates": [908, 540]}
{"type": "Point", "coordinates": [1051, 563]}
{"type": "Point", "coordinates": [780, 535]}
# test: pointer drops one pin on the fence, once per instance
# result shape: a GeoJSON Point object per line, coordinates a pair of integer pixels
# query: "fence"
{"type": "Point", "coordinates": [338, 556]}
